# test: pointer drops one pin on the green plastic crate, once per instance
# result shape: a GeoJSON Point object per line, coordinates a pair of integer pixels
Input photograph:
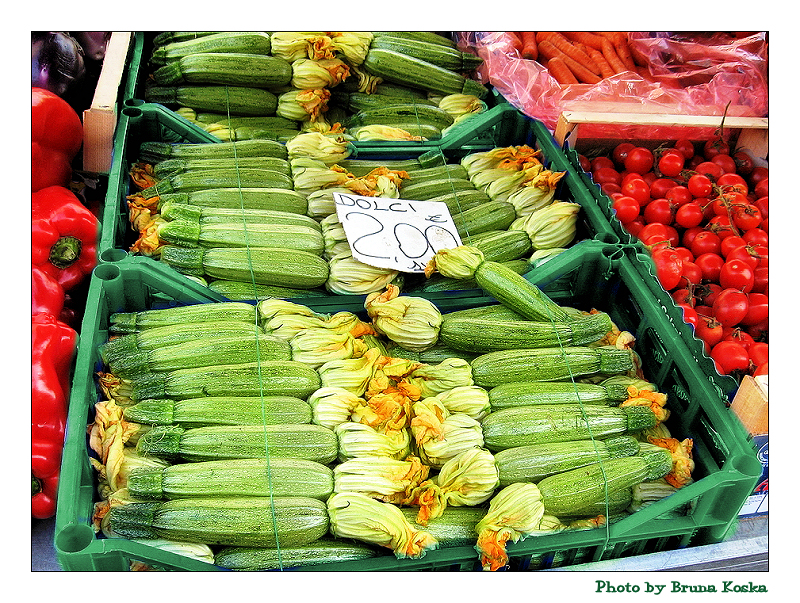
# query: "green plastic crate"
{"type": "Point", "coordinates": [591, 274]}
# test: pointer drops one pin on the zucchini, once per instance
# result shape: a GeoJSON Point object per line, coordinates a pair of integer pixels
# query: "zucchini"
{"type": "Point", "coordinates": [267, 122]}
{"type": "Point", "coordinates": [528, 393]}
{"type": "Point", "coordinates": [171, 210]}
{"type": "Point", "coordinates": [220, 410]}
{"type": "Point", "coordinates": [242, 234]}
{"type": "Point", "coordinates": [220, 442]}
{"type": "Point", "coordinates": [426, 190]}
{"type": "Point", "coordinates": [412, 113]}
{"type": "Point", "coordinates": [442, 55]}
{"type": "Point", "coordinates": [155, 151]}
{"type": "Point", "coordinates": [489, 334]}
{"type": "Point", "coordinates": [201, 352]}
{"type": "Point", "coordinates": [447, 170]}
{"type": "Point", "coordinates": [247, 521]}
{"type": "Point", "coordinates": [187, 182]}
{"type": "Point", "coordinates": [534, 462]}
{"type": "Point", "coordinates": [429, 37]}
{"type": "Point", "coordinates": [244, 291]}
{"type": "Point", "coordinates": [618, 501]}
{"type": "Point", "coordinates": [226, 69]}
{"type": "Point", "coordinates": [414, 128]}
{"type": "Point", "coordinates": [548, 364]}
{"type": "Point", "coordinates": [399, 68]}
{"type": "Point", "coordinates": [494, 311]}
{"type": "Point", "coordinates": [492, 215]}
{"type": "Point", "coordinates": [232, 478]}
{"type": "Point", "coordinates": [263, 198]}
{"type": "Point", "coordinates": [501, 245]}
{"type": "Point", "coordinates": [324, 550]}
{"type": "Point", "coordinates": [566, 493]}
{"type": "Point", "coordinates": [454, 527]}
{"type": "Point", "coordinates": [169, 37]}
{"type": "Point", "coordinates": [251, 42]}
{"type": "Point", "coordinates": [361, 101]}
{"type": "Point", "coordinates": [236, 100]}
{"type": "Point", "coordinates": [262, 265]}
{"type": "Point", "coordinates": [132, 322]}
{"type": "Point", "coordinates": [268, 378]}
{"type": "Point", "coordinates": [542, 424]}
{"type": "Point", "coordinates": [167, 168]}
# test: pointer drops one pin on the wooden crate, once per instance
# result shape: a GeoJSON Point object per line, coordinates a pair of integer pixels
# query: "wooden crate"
{"type": "Point", "coordinates": [751, 404]}
{"type": "Point", "coordinates": [100, 119]}
{"type": "Point", "coordinates": [749, 133]}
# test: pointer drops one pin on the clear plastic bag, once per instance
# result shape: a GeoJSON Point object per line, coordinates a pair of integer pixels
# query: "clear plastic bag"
{"type": "Point", "coordinates": [688, 74]}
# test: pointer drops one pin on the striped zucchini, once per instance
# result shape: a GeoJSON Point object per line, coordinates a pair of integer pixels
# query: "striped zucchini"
{"type": "Point", "coordinates": [566, 493]}
{"type": "Point", "coordinates": [437, 282]}
{"type": "Point", "coordinates": [501, 245]}
{"type": "Point", "coordinates": [252, 42]}
{"type": "Point", "coordinates": [402, 113]}
{"type": "Point", "coordinates": [528, 393]}
{"type": "Point", "coordinates": [132, 322]}
{"type": "Point", "coordinates": [247, 291]}
{"type": "Point", "coordinates": [226, 69]}
{"type": "Point", "coordinates": [360, 101]}
{"type": "Point", "coordinates": [414, 128]}
{"type": "Point", "coordinates": [168, 37]}
{"type": "Point", "coordinates": [527, 425]}
{"type": "Point", "coordinates": [534, 462]}
{"type": "Point", "coordinates": [268, 377]}
{"type": "Point", "coordinates": [426, 190]}
{"type": "Point", "coordinates": [220, 215]}
{"type": "Point", "coordinates": [454, 527]}
{"type": "Point", "coordinates": [236, 100]}
{"type": "Point", "coordinates": [430, 37]}
{"type": "Point", "coordinates": [409, 71]}
{"type": "Point", "coordinates": [187, 182]}
{"type": "Point", "coordinates": [268, 122]}
{"type": "Point", "coordinates": [489, 334]}
{"type": "Point", "coordinates": [442, 55]}
{"type": "Point", "coordinates": [247, 521]}
{"type": "Point", "coordinates": [447, 170]}
{"type": "Point", "coordinates": [492, 215]}
{"type": "Point", "coordinates": [220, 410]}
{"type": "Point", "coordinates": [198, 352]}
{"type": "Point", "coordinates": [262, 198]}
{"type": "Point", "coordinates": [263, 265]}
{"type": "Point", "coordinates": [494, 311]}
{"type": "Point", "coordinates": [220, 442]}
{"type": "Point", "coordinates": [324, 550]}
{"type": "Point", "coordinates": [548, 364]}
{"type": "Point", "coordinates": [169, 167]}
{"type": "Point", "coordinates": [618, 501]}
{"type": "Point", "coordinates": [233, 478]}
{"type": "Point", "coordinates": [155, 151]}
{"type": "Point", "coordinates": [239, 233]}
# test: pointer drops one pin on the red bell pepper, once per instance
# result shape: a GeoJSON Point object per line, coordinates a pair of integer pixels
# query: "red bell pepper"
{"type": "Point", "coordinates": [64, 236]}
{"type": "Point", "coordinates": [52, 350]}
{"type": "Point", "coordinates": [56, 138]}
{"type": "Point", "coordinates": [47, 294]}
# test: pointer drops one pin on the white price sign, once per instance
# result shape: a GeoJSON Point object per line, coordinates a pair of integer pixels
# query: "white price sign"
{"type": "Point", "coordinates": [398, 234]}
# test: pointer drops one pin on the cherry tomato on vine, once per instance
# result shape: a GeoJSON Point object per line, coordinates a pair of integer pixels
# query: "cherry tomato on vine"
{"type": "Point", "coordinates": [754, 255]}
{"type": "Point", "coordinates": [705, 242]}
{"type": "Point", "coordinates": [620, 152]}
{"type": "Point", "coordinates": [639, 160]}
{"type": "Point", "coordinates": [721, 226]}
{"type": "Point", "coordinates": [684, 252]}
{"type": "Point", "coordinates": [660, 186]}
{"type": "Point", "coordinates": [607, 175]}
{"type": "Point", "coordinates": [728, 244]}
{"type": "Point", "coordinates": [756, 236]}
{"type": "Point", "coordinates": [759, 352]}
{"type": "Point", "coordinates": [635, 226]}
{"type": "Point", "coordinates": [730, 307]}
{"type": "Point", "coordinates": [699, 185]}
{"type": "Point", "coordinates": [610, 188]}
{"type": "Point", "coordinates": [715, 146]}
{"type": "Point", "coordinates": [726, 162]}
{"type": "Point", "coordinates": [669, 267]}
{"type": "Point", "coordinates": [760, 279]}
{"type": "Point", "coordinates": [638, 189]}
{"type": "Point", "coordinates": [626, 208]}
{"type": "Point", "coordinates": [685, 146]}
{"type": "Point", "coordinates": [691, 274]}
{"type": "Point", "coordinates": [689, 315]}
{"type": "Point", "coordinates": [708, 329]}
{"type": "Point", "coordinates": [732, 182]}
{"type": "Point", "coordinates": [762, 203]}
{"type": "Point", "coordinates": [671, 164]}
{"type": "Point", "coordinates": [761, 369]}
{"type": "Point", "coordinates": [679, 195]}
{"type": "Point", "coordinates": [730, 356]}
{"type": "Point", "coordinates": [739, 336]}
{"type": "Point", "coordinates": [707, 293]}
{"type": "Point", "coordinates": [683, 296]}
{"type": "Point", "coordinates": [710, 264]}
{"type": "Point", "coordinates": [737, 274]}
{"type": "Point", "coordinates": [659, 210]}
{"type": "Point", "coordinates": [601, 161]}
{"type": "Point", "coordinates": [689, 215]}
{"type": "Point", "coordinates": [710, 169]}
{"type": "Point", "coordinates": [744, 163]}
{"type": "Point", "coordinates": [757, 309]}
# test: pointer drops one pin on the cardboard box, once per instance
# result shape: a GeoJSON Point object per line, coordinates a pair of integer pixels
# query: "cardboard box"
{"type": "Point", "coordinates": [751, 405]}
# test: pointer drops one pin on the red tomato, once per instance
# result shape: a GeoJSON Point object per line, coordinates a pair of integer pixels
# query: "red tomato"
{"type": "Point", "coordinates": [726, 162]}
{"type": "Point", "coordinates": [759, 352]}
{"type": "Point", "coordinates": [762, 203]}
{"type": "Point", "coordinates": [620, 152]}
{"type": "Point", "coordinates": [649, 177]}
{"type": "Point", "coordinates": [710, 169]}
{"type": "Point", "coordinates": [627, 176]}
{"type": "Point", "coordinates": [721, 226]}
{"type": "Point", "coordinates": [584, 162]}
{"type": "Point", "coordinates": [730, 356]}
{"type": "Point", "coordinates": [689, 215]}
{"type": "Point", "coordinates": [710, 265]}
{"type": "Point", "coordinates": [685, 254]}
{"type": "Point", "coordinates": [686, 147]}
{"type": "Point", "coordinates": [689, 315]}
{"type": "Point", "coordinates": [728, 244]}
{"type": "Point", "coordinates": [691, 273]}
{"type": "Point", "coordinates": [758, 331]}
{"type": "Point", "coordinates": [739, 336]}
{"type": "Point", "coordinates": [736, 274]}
{"type": "Point", "coordinates": [679, 195]}
{"type": "Point", "coordinates": [730, 181]}
{"type": "Point", "coordinates": [730, 307]}
{"type": "Point", "coordinates": [634, 226]}
{"type": "Point", "coordinates": [626, 208]}
{"type": "Point", "coordinates": [610, 187]}
{"type": "Point", "coordinates": [669, 267]}
{"type": "Point", "coordinates": [606, 175]}
{"type": "Point", "coordinates": [655, 228]}
{"type": "Point", "coordinates": [638, 189]}
{"type": "Point", "coordinates": [746, 217]}
{"type": "Point", "coordinates": [708, 329]}
{"type": "Point", "coordinates": [760, 279]}
{"type": "Point", "coordinates": [761, 369]}
{"type": "Point", "coordinates": [689, 234]}
{"type": "Point", "coordinates": [699, 185]}
{"type": "Point", "coordinates": [757, 310]}
{"type": "Point", "coordinates": [639, 160]}
{"type": "Point", "coordinates": [659, 210]}
{"type": "Point", "coordinates": [715, 146]}
{"type": "Point", "coordinates": [707, 293]}
{"type": "Point", "coordinates": [762, 188]}
{"type": "Point", "coordinates": [744, 163]}
{"type": "Point", "coordinates": [601, 161]}
{"type": "Point", "coordinates": [705, 242]}
{"type": "Point", "coordinates": [755, 255]}
{"type": "Point", "coordinates": [660, 186]}
{"type": "Point", "coordinates": [683, 296]}
{"type": "Point", "coordinates": [671, 164]}
{"type": "Point", "coordinates": [758, 174]}
{"type": "Point", "coordinates": [756, 236]}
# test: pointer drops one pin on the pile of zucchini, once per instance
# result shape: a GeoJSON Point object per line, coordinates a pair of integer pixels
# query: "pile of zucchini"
{"type": "Point", "coordinates": [235, 441]}
{"type": "Point", "coordinates": [366, 85]}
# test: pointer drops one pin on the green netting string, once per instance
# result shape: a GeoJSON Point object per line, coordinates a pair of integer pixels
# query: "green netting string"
{"type": "Point", "coordinates": [258, 350]}
{"type": "Point", "coordinates": [455, 193]}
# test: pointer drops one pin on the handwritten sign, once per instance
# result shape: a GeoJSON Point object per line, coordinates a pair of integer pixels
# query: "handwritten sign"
{"type": "Point", "coordinates": [398, 234]}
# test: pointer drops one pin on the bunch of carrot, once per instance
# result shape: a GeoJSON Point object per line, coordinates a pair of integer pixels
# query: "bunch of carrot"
{"type": "Point", "coordinates": [577, 57]}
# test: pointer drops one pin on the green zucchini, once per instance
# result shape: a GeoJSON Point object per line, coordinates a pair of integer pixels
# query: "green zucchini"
{"type": "Point", "coordinates": [247, 291]}
{"type": "Point", "coordinates": [187, 182]}
{"type": "Point", "coordinates": [172, 210]}
{"type": "Point", "coordinates": [501, 245]}
{"type": "Point", "coordinates": [528, 393]}
{"type": "Point", "coordinates": [132, 322]}
{"type": "Point", "coordinates": [169, 37]}
{"type": "Point", "coordinates": [442, 55]}
{"type": "Point", "coordinates": [413, 113]}
{"type": "Point", "coordinates": [262, 198]}
{"type": "Point", "coordinates": [360, 101]}
{"type": "Point", "coordinates": [226, 69]}
{"type": "Point", "coordinates": [236, 100]}
{"type": "Point", "coordinates": [251, 42]}
{"type": "Point", "coordinates": [426, 190]}
{"type": "Point", "coordinates": [454, 527]}
{"type": "Point", "coordinates": [324, 550]}
{"type": "Point", "coordinates": [167, 168]}
{"type": "Point", "coordinates": [155, 151]}
{"type": "Point", "coordinates": [492, 215]}
{"type": "Point", "coordinates": [238, 233]}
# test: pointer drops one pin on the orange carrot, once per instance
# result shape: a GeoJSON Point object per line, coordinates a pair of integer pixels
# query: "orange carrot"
{"type": "Point", "coordinates": [615, 37]}
{"type": "Point", "coordinates": [569, 49]}
{"type": "Point", "coordinates": [584, 37]}
{"type": "Point", "coordinates": [624, 52]}
{"type": "Point", "coordinates": [597, 56]}
{"type": "Point", "coordinates": [548, 49]}
{"type": "Point", "coordinates": [559, 70]}
{"type": "Point", "coordinates": [529, 47]}
{"type": "Point", "coordinates": [612, 57]}
{"type": "Point", "coordinates": [515, 40]}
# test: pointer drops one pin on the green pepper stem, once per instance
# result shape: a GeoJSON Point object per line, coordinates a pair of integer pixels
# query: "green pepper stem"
{"type": "Point", "coordinates": [65, 252]}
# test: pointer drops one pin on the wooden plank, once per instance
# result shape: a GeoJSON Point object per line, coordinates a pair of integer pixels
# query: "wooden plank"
{"type": "Point", "coordinates": [100, 120]}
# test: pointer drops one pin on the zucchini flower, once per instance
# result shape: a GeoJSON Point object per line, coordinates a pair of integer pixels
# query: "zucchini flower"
{"type": "Point", "coordinates": [149, 243]}
{"type": "Point", "coordinates": [288, 325]}
{"type": "Point", "coordinates": [435, 379]}
{"type": "Point", "coordinates": [458, 105]}
{"type": "Point", "coordinates": [470, 400]}
{"type": "Point", "coordinates": [321, 205]}
{"type": "Point", "coordinates": [389, 375]}
{"type": "Point", "coordinates": [333, 235]}
{"type": "Point", "coordinates": [317, 345]}
{"type": "Point", "coordinates": [367, 83]}
{"type": "Point", "coordinates": [460, 432]}
{"type": "Point", "coordinates": [515, 512]}
{"type": "Point", "coordinates": [654, 400]}
{"type": "Point", "coordinates": [116, 388]}
{"type": "Point", "coordinates": [510, 157]}
{"type": "Point", "coordinates": [682, 462]}
{"type": "Point", "coordinates": [354, 45]}
{"type": "Point", "coordinates": [359, 440]}
{"type": "Point", "coordinates": [356, 515]}
{"type": "Point", "coordinates": [143, 175]}
{"type": "Point", "coordinates": [309, 179]}
{"type": "Point", "coordinates": [501, 187]}
{"type": "Point", "coordinates": [108, 435]}
{"type": "Point", "coordinates": [308, 74]}
{"type": "Point", "coordinates": [467, 479]}
{"type": "Point", "coordinates": [383, 132]}
{"type": "Point", "coordinates": [347, 322]}
{"type": "Point", "coordinates": [380, 477]}
{"type": "Point", "coordinates": [327, 149]}
{"type": "Point", "coordinates": [386, 412]}
{"type": "Point", "coordinates": [332, 406]}
{"type": "Point", "coordinates": [295, 45]}
{"type": "Point", "coordinates": [303, 105]}
{"type": "Point", "coordinates": [352, 374]}
{"type": "Point", "coordinates": [379, 182]}
{"type": "Point", "coordinates": [459, 262]}
{"type": "Point", "coordinates": [348, 276]}
{"type": "Point", "coordinates": [193, 550]}
{"type": "Point", "coordinates": [115, 477]}
{"type": "Point", "coordinates": [411, 322]}
{"type": "Point", "coordinates": [551, 226]}
{"type": "Point", "coordinates": [270, 308]}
